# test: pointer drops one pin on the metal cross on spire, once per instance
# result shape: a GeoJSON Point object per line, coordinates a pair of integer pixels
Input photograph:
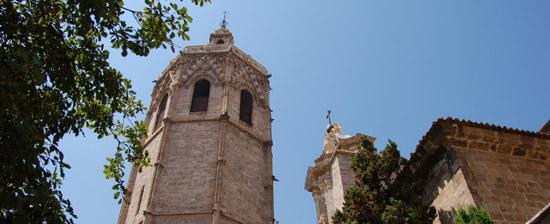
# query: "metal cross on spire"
{"type": "Point", "coordinates": [224, 21]}
{"type": "Point", "coordinates": [328, 117]}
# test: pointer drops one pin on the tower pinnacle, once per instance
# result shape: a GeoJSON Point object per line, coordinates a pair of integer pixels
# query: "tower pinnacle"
{"type": "Point", "coordinates": [224, 21]}
{"type": "Point", "coordinates": [222, 35]}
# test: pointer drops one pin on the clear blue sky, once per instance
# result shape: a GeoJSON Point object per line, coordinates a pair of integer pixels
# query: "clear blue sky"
{"type": "Point", "coordinates": [386, 68]}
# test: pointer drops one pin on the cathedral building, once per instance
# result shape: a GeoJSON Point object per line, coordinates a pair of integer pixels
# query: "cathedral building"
{"type": "Point", "coordinates": [459, 163]}
{"type": "Point", "coordinates": [209, 141]}
{"type": "Point", "coordinates": [501, 169]}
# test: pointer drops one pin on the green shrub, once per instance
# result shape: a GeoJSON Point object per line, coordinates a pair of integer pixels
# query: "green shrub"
{"type": "Point", "coordinates": [473, 216]}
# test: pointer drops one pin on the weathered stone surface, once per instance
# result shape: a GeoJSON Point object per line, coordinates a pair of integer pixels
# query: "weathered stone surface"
{"type": "Point", "coordinates": [209, 167]}
{"type": "Point", "coordinates": [504, 170]}
{"type": "Point", "coordinates": [186, 181]}
{"type": "Point", "coordinates": [446, 188]}
{"type": "Point", "coordinates": [331, 176]}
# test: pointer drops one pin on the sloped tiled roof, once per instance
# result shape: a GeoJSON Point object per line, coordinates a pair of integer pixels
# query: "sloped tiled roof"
{"type": "Point", "coordinates": [484, 126]}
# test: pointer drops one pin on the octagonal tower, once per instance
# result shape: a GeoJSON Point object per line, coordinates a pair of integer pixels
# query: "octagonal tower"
{"type": "Point", "coordinates": [209, 140]}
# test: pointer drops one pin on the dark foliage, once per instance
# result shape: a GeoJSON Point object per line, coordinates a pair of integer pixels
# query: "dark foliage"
{"type": "Point", "coordinates": [55, 79]}
{"type": "Point", "coordinates": [383, 192]}
{"type": "Point", "coordinates": [473, 216]}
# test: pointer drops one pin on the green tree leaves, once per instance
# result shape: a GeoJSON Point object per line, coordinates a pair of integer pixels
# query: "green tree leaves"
{"type": "Point", "coordinates": [379, 195]}
{"type": "Point", "coordinates": [55, 80]}
{"type": "Point", "coordinates": [473, 216]}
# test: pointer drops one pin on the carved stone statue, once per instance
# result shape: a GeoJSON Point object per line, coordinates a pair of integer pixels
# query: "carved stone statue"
{"type": "Point", "coordinates": [332, 138]}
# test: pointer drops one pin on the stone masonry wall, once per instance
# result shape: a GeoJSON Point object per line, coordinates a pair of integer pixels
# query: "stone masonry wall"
{"type": "Point", "coordinates": [246, 179]}
{"type": "Point", "coordinates": [329, 203]}
{"type": "Point", "coordinates": [342, 180]}
{"type": "Point", "coordinates": [189, 168]}
{"type": "Point", "coordinates": [184, 219]}
{"type": "Point", "coordinates": [346, 174]}
{"type": "Point", "coordinates": [261, 116]}
{"type": "Point", "coordinates": [446, 188]}
{"type": "Point", "coordinates": [143, 180]}
{"type": "Point", "coordinates": [506, 171]}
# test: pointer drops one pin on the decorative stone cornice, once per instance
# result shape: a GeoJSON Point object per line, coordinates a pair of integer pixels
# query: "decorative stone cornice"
{"type": "Point", "coordinates": [319, 177]}
{"type": "Point", "coordinates": [155, 133]}
{"type": "Point", "coordinates": [221, 48]}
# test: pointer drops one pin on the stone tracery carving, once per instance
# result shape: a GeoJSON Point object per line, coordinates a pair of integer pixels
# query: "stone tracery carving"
{"type": "Point", "coordinates": [245, 75]}
{"type": "Point", "coordinates": [208, 64]}
{"type": "Point", "coordinates": [173, 81]}
{"type": "Point", "coordinates": [189, 63]}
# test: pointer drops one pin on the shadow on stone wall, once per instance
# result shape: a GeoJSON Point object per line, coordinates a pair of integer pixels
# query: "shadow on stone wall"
{"type": "Point", "coordinates": [446, 216]}
{"type": "Point", "coordinates": [443, 165]}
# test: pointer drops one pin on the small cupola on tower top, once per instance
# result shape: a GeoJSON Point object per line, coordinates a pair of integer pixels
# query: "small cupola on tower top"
{"type": "Point", "coordinates": [222, 35]}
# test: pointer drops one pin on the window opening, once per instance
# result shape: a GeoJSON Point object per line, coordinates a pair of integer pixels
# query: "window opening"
{"type": "Point", "coordinates": [160, 111]}
{"type": "Point", "coordinates": [201, 92]}
{"type": "Point", "coordinates": [246, 107]}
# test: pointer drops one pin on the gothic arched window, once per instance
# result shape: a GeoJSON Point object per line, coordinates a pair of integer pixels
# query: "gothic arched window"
{"type": "Point", "coordinates": [160, 111]}
{"type": "Point", "coordinates": [201, 92]}
{"type": "Point", "coordinates": [220, 41]}
{"type": "Point", "coordinates": [245, 113]}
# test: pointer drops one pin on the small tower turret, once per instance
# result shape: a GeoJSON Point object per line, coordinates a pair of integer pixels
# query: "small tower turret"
{"type": "Point", "coordinates": [222, 35]}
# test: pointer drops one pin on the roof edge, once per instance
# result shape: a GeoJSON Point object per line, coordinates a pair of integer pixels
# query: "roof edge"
{"type": "Point", "coordinates": [485, 126]}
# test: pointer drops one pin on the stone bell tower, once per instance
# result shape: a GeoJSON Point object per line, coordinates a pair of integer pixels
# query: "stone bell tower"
{"type": "Point", "coordinates": [332, 174]}
{"type": "Point", "coordinates": [209, 141]}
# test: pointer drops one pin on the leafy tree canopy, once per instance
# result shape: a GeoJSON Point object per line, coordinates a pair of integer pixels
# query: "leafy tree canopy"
{"type": "Point", "coordinates": [55, 79]}
{"type": "Point", "coordinates": [473, 216]}
{"type": "Point", "coordinates": [384, 192]}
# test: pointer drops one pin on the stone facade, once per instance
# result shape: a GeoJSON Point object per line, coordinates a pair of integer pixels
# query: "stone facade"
{"type": "Point", "coordinates": [209, 167]}
{"type": "Point", "coordinates": [504, 170]}
{"type": "Point", "coordinates": [459, 163]}
{"type": "Point", "coordinates": [332, 175]}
